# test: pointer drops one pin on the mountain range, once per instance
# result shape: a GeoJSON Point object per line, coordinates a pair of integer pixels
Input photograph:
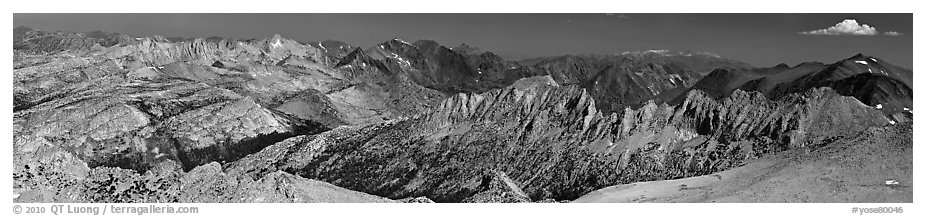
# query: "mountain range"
{"type": "Point", "coordinates": [108, 117]}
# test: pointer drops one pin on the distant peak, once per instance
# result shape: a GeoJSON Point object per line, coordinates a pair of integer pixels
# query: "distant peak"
{"type": "Point", "coordinates": [859, 56]}
{"type": "Point", "coordinates": [425, 44]}
{"type": "Point", "coordinates": [101, 34]}
{"type": "Point", "coordinates": [658, 51]}
{"type": "Point", "coordinates": [394, 43]}
{"type": "Point", "coordinates": [214, 38]}
{"type": "Point", "coordinates": [277, 41]}
{"type": "Point", "coordinates": [463, 46]}
{"type": "Point", "coordinates": [467, 49]}
{"type": "Point", "coordinates": [782, 66]}
{"type": "Point", "coordinates": [22, 28]}
{"type": "Point", "coordinates": [357, 55]}
{"type": "Point", "coordinates": [809, 64]}
{"type": "Point", "coordinates": [664, 52]}
{"type": "Point", "coordinates": [489, 54]}
{"type": "Point", "coordinates": [330, 41]}
{"type": "Point", "coordinates": [357, 51]}
{"type": "Point", "coordinates": [401, 41]}
{"type": "Point", "coordinates": [860, 59]}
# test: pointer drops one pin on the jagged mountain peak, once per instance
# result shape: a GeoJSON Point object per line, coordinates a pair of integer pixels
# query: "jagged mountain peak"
{"type": "Point", "coordinates": [394, 44]}
{"type": "Point", "coordinates": [333, 50]}
{"type": "Point", "coordinates": [357, 52]}
{"type": "Point", "coordinates": [392, 48]}
{"type": "Point", "coordinates": [277, 41]}
{"type": "Point", "coordinates": [358, 55]}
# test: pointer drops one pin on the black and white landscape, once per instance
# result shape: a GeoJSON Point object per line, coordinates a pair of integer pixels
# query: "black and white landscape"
{"type": "Point", "coordinates": [114, 117]}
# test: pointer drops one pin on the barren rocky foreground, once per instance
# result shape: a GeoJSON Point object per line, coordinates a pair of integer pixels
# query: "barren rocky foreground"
{"type": "Point", "coordinates": [107, 117]}
{"type": "Point", "coordinates": [849, 170]}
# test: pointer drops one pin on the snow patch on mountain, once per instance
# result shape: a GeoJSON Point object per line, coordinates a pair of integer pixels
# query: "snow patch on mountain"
{"type": "Point", "coordinates": [401, 41]}
{"type": "Point", "coordinates": [400, 59]}
{"type": "Point", "coordinates": [322, 46]}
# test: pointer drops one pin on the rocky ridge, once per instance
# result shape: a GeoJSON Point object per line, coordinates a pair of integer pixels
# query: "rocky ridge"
{"type": "Point", "coordinates": [875, 82]}
{"type": "Point", "coordinates": [632, 78]}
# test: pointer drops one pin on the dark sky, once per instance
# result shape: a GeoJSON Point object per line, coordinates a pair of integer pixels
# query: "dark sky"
{"type": "Point", "coordinates": [759, 39]}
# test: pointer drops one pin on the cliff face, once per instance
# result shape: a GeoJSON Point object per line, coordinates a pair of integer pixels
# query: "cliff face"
{"type": "Point", "coordinates": [557, 144]}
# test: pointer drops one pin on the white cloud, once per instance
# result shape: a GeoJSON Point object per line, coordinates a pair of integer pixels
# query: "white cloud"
{"type": "Point", "coordinates": [893, 33]}
{"type": "Point", "coordinates": [846, 27]}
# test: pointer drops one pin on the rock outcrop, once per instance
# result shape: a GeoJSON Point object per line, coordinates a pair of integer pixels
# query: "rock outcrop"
{"type": "Point", "coordinates": [42, 181]}
{"type": "Point", "coordinates": [134, 125]}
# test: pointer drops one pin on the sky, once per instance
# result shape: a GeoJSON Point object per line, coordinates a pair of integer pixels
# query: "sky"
{"type": "Point", "coordinates": [763, 40]}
